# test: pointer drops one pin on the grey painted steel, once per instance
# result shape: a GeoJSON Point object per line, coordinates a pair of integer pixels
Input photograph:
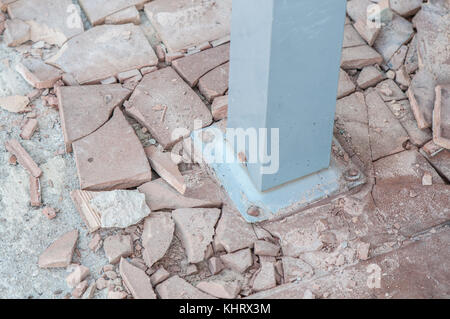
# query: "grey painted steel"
{"type": "Point", "coordinates": [285, 59]}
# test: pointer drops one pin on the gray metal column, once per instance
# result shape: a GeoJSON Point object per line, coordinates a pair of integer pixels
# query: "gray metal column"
{"type": "Point", "coordinates": [285, 58]}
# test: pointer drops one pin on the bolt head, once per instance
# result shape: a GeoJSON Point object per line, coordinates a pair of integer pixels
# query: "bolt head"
{"type": "Point", "coordinates": [254, 211]}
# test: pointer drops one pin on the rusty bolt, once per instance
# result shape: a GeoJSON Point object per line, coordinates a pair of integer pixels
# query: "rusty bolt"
{"type": "Point", "coordinates": [253, 211]}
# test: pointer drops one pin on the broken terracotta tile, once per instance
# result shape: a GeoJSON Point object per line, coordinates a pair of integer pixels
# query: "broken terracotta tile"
{"type": "Point", "coordinates": [202, 21]}
{"type": "Point", "coordinates": [406, 8]}
{"type": "Point", "coordinates": [402, 111]}
{"type": "Point", "coordinates": [14, 103]}
{"type": "Point", "coordinates": [122, 76]}
{"type": "Point", "coordinates": [233, 232]}
{"type": "Point", "coordinates": [215, 82]}
{"type": "Point", "coordinates": [392, 36]}
{"type": "Point", "coordinates": [402, 77]}
{"type": "Point", "coordinates": [49, 212]}
{"type": "Point", "coordinates": [265, 248]}
{"type": "Point", "coordinates": [136, 281]}
{"type": "Point", "coordinates": [195, 228]}
{"type": "Point", "coordinates": [78, 274]}
{"type": "Point", "coordinates": [159, 276]}
{"type": "Point", "coordinates": [295, 269]}
{"type": "Point", "coordinates": [219, 108]}
{"type": "Point", "coordinates": [80, 289]}
{"type": "Point", "coordinates": [346, 85]}
{"type": "Point", "coordinates": [162, 163]}
{"type": "Point", "coordinates": [35, 191]}
{"type": "Point", "coordinates": [117, 246]}
{"type": "Point", "coordinates": [90, 291]}
{"type": "Point", "coordinates": [220, 289]}
{"type": "Point", "coordinates": [357, 9]}
{"type": "Point", "coordinates": [160, 195]}
{"type": "Point", "coordinates": [59, 254]}
{"type": "Point", "coordinates": [431, 149]}
{"type": "Point", "coordinates": [90, 64]}
{"type": "Point", "coordinates": [238, 261]}
{"type": "Point", "coordinates": [369, 76]}
{"type": "Point", "coordinates": [16, 32]}
{"type": "Point", "coordinates": [115, 209]}
{"type": "Point", "coordinates": [439, 160]}
{"type": "Point", "coordinates": [24, 159]}
{"type": "Point", "coordinates": [112, 294]}
{"type": "Point", "coordinates": [368, 33]}
{"type": "Point", "coordinates": [359, 57]}
{"type": "Point", "coordinates": [170, 114]}
{"type": "Point", "coordinates": [265, 277]}
{"type": "Point", "coordinates": [389, 91]}
{"type": "Point", "coordinates": [157, 236]}
{"type": "Point", "coordinates": [178, 288]}
{"type": "Point", "coordinates": [28, 129]}
{"type": "Point", "coordinates": [112, 157]}
{"type": "Point", "coordinates": [412, 59]}
{"type": "Point", "coordinates": [441, 116]}
{"type": "Point", "coordinates": [96, 243]}
{"type": "Point", "coordinates": [398, 58]}
{"type": "Point", "coordinates": [192, 67]}
{"type": "Point", "coordinates": [128, 15]}
{"type": "Point", "coordinates": [215, 265]}
{"type": "Point", "coordinates": [38, 74]}
{"type": "Point", "coordinates": [52, 21]}
{"type": "Point", "coordinates": [421, 94]}
{"type": "Point", "coordinates": [98, 10]}
{"type": "Point", "coordinates": [351, 37]}
{"type": "Point", "coordinates": [148, 69]}
{"type": "Point", "coordinates": [83, 109]}
{"type": "Point", "coordinates": [406, 167]}
{"type": "Point", "coordinates": [387, 136]}
{"type": "Point", "coordinates": [433, 42]}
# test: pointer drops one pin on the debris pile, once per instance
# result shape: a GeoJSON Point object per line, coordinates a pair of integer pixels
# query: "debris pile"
{"type": "Point", "coordinates": [160, 221]}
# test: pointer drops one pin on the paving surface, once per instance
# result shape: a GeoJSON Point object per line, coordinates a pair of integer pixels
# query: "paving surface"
{"type": "Point", "coordinates": [387, 239]}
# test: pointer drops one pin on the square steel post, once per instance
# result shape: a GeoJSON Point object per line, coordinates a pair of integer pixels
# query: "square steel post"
{"type": "Point", "coordinates": [285, 59]}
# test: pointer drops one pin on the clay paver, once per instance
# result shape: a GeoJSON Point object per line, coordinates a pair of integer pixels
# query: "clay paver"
{"type": "Point", "coordinates": [35, 191]}
{"type": "Point", "coordinates": [390, 91]}
{"type": "Point", "coordinates": [193, 67]}
{"type": "Point", "coordinates": [157, 236]}
{"type": "Point", "coordinates": [402, 111]}
{"type": "Point", "coordinates": [215, 82]}
{"type": "Point", "coordinates": [136, 280]}
{"type": "Point", "coordinates": [441, 116]}
{"type": "Point", "coordinates": [220, 289]}
{"type": "Point", "coordinates": [16, 33]}
{"type": "Point", "coordinates": [183, 24]}
{"type": "Point", "coordinates": [128, 15]}
{"type": "Point", "coordinates": [112, 157]}
{"type": "Point", "coordinates": [52, 21]}
{"type": "Point", "coordinates": [163, 164]}
{"type": "Point", "coordinates": [97, 10]}
{"type": "Point", "coordinates": [406, 8]}
{"type": "Point", "coordinates": [421, 94]}
{"type": "Point", "coordinates": [351, 37]}
{"type": "Point", "coordinates": [369, 76]}
{"type": "Point", "coordinates": [433, 41]}
{"type": "Point", "coordinates": [104, 51]}
{"type": "Point", "coordinates": [238, 261]}
{"type": "Point", "coordinates": [232, 232]}
{"type": "Point", "coordinates": [83, 109]}
{"type": "Point", "coordinates": [219, 108]}
{"type": "Point", "coordinates": [28, 129]}
{"type": "Point", "coordinates": [14, 103]}
{"type": "Point", "coordinates": [178, 288]}
{"type": "Point", "coordinates": [359, 57]}
{"type": "Point", "coordinates": [160, 195]}
{"type": "Point", "coordinates": [441, 161]}
{"type": "Point", "coordinates": [387, 136]}
{"type": "Point", "coordinates": [392, 36]}
{"type": "Point", "coordinates": [167, 107]}
{"type": "Point", "coordinates": [368, 33]}
{"type": "Point", "coordinates": [117, 246]}
{"type": "Point", "coordinates": [24, 159]}
{"type": "Point", "coordinates": [195, 228]}
{"type": "Point", "coordinates": [38, 74]}
{"type": "Point", "coordinates": [346, 85]}
{"type": "Point", "coordinates": [59, 254]}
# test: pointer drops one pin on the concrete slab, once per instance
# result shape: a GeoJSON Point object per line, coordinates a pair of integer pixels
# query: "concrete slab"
{"type": "Point", "coordinates": [167, 107]}
{"type": "Point", "coordinates": [52, 21]}
{"type": "Point", "coordinates": [183, 24]}
{"type": "Point", "coordinates": [83, 109]}
{"type": "Point", "coordinates": [89, 57]}
{"type": "Point", "coordinates": [215, 82]}
{"type": "Point", "coordinates": [112, 157]}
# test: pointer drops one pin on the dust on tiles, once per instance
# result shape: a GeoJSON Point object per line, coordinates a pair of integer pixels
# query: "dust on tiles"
{"type": "Point", "coordinates": [160, 224]}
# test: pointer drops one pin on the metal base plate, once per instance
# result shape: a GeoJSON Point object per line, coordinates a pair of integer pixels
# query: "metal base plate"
{"type": "Point", "coordinates": [341, 176]}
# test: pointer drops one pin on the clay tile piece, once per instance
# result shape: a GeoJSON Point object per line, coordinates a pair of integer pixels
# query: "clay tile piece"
{"type": "Point", "coordinates": [112, 157]}
{"type": "Point", "coordinates": [59, 254]}
{"type": "Point", "coordinates": [83, 109]}
{"type": "Point", "coordinates": [136, 281]}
